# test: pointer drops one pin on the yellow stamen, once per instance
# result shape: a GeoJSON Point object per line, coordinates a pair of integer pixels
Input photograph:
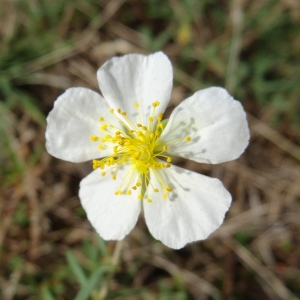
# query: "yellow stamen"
{"type": "Point", "coordinates": [138, 145]}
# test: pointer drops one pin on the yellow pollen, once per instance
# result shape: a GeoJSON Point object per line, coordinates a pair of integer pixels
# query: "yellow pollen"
{"type": "Point", "coordinates": [103, 173]}
{"type": "Point", "coordinates": [136, 105]}
{"type": "Point", "coordinates": [111, 110]}
{"type": "Point", "coordinates": [188, 138]}
{"type": "Point", "coordinates": [100, 147]}
{"type": "Point", "coordinates": [93, 138]}
{"type": "Point", "coordinates": [156, 190]}
{"type": "Point", "coordinates": [140, 196]}
{"type": "Point", "coordinates": [169, 189]}
{"type": "Point", "coordinates": [169, 159]}
{"type": "Point", "coordinates": [124, 113]}
{"type": "Point", "coordinates": [103, 127]}
{"type": "Point", "coordinates": [165, 196]}
{"type": "Point", "coordinates": [149, 200]}
{"type": "Point", "coordinates": [119, 110]}
{"type": "Point", "coordinates": [160, 116]}
{"type": "Point", "coordinates": [113, 177]}
{"type": "Point", "coordinates": [128, 192]}
{"type": "Point", "coordinates": [101, 119]}
{"type": "Point", "coordinates": [168, 165]}
{"type": "Point", "coordinates": [165, 148]}
{"type": "Point", "coordinates": [155, 104]}
{"type": "Point", "coordinates": [151, 119]}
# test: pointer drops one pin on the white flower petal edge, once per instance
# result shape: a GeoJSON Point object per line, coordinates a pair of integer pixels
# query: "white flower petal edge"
{"type": "Point", "coordinates": [113, 216]}
{"type": "Point", "coordinates": [137, 78]}
{"type": "Point", "coordinates": [196, 207]}
{"type": "Point", "coordinates": [74, 118]}
{"type": "Point", "coordinates": [215, 122]}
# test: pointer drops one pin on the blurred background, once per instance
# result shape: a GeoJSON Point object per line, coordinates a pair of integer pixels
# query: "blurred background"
{"type": "Point", "coordinates": [48, 249]}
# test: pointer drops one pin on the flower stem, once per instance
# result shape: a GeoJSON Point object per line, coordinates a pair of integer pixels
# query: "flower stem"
{"type": "Point", "coordinates": [114, 261]}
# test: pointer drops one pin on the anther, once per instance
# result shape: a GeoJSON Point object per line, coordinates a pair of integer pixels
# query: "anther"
{"type": "Point", "coordinates": [151, 119]}
{"type": "Point", "coordinates": [93, 138]}
{"type": "Point", "coordinates": [188, 138]}
{"type": "Point", "coordinates": [128, 192]}
{"type": "Point", "coordinates": [169, 159]}
{"type": "Point", "coordinates": [136, 105]}
{"type": "Point", "coordinates": [113, 177]}
{"type": "Point", "coordinates": [119, 110]}
{"type": "Point", "coordinates": [165, 196]}
{"type": "Point", "coordinates": [149, 200]}
{"type": "Point", "coordinates": [160, 116]}
{"type": "Point", "coordinates": [165, 148]}
{"type": "Point", "coordinates": [103, 173]}
{"type": "Point", "coordinates": [156, 190]}
{"type": "Point", "coordinates": [140, 197]}
{"type": "Point", "coordinates": [124, 113]}
{"type": "Point", "coordinates": [101, 119]}
{"type": "Point", "coordinates": [111, 110]}
{"type": "Point", "coordinates": [103, 127]}
{"type": "Point", "coordinates": [169, 189]}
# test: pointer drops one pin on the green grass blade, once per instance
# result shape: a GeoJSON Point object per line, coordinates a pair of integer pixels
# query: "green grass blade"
{"type": "Point", "coordinates": [46, 294]}
{"type": "Point", "coordinates": [87, 289]}
{"type": "Point", "coordinates": [76, 268]}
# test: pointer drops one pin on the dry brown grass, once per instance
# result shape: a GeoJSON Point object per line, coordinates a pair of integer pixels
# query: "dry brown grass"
{"type": "Point", "coordinates": [254, 255]}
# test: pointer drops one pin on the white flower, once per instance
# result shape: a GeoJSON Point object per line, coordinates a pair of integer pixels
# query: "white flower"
{"type": "Point", "coordinates": [125, 127]}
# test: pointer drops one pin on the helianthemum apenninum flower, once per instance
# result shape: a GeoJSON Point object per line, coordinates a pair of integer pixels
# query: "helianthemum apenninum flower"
{"type": "Point", "coordinates": [131, 146]}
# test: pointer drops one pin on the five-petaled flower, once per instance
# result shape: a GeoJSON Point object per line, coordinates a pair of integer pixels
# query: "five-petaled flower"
{"type": "Point", "coordinates": [132, 147]}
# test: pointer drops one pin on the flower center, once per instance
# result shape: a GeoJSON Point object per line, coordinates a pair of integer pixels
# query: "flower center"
{"type": "Point", "coordinates": [138, 145]}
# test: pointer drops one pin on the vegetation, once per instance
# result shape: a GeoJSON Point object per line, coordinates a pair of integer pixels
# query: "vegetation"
{"type": "Point", "coordinates": [48, 249]}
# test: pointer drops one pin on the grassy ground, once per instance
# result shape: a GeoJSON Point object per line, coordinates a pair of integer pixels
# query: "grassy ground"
{"type": "Point", "coordinates": [48, 249]}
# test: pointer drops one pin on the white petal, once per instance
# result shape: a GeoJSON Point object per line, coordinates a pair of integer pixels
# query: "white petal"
{"type": "Point", "coordinates": [74, 118]}
{"type": "Point", "coordinates": [215, 122]}
{"type": "Point", "coordinates": [194, 209]}
{"type": "Point", "coordinates": [113, 216]}
{"type": "Point", "coordinates": [137, 78]}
